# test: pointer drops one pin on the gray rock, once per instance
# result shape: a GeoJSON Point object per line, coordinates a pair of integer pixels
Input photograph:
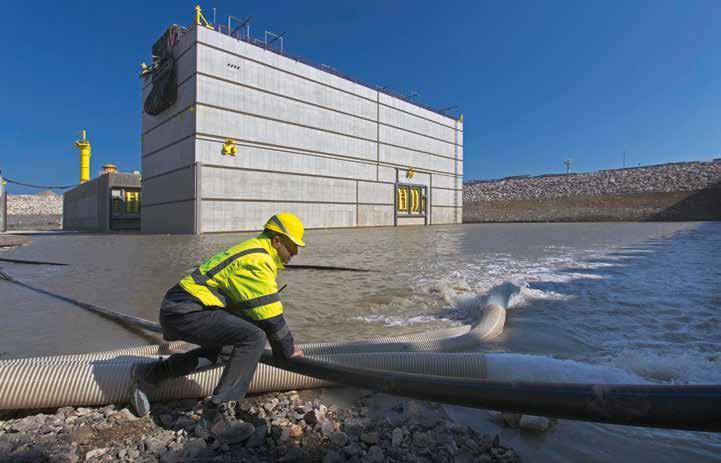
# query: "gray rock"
{"type": "Point", "coordinates": [331, 456]}
{"type": "Point", "coordinates": [326, 428]}
{"type": "Point", "coordinates": [352, 450]}
{"type": "Point", "coordinates": [171, 456]}
{"type": "Point", "coordinates": [339, 439]}
{"type": "Point", "coordinates": [534, 423]}
{"type": "Point", "coordinates": [96, 453]}
{"type": "Point", "coordinates": [82, 411]}
{"type": "Point", "coordinates": [370, 437]}
{"type": "Point", "coordinates": [270, 405]}
{"type": "Point", "coordinates": [375, 455]}
{"type": "Point", "coordinates": [397, 437]}
{"type": "Point", "coordinates": [65, 455]}
{"type": "Point", "coordinates": [194, 447]}
{"type": "Point", "coordinates": [26, 424]}
{"type": "Point", "coordinates": [184, 423]}
{"type": "Point", "coordinates": [422, 439]}
{"type": "Point", "coordinates": [293, 455]}
{"type": "Point", "coordinates": [81, 434]}
{"type": "Point", "coordinates": [285, 435]}
{"type": "Point", "coordinates": [258, 436]}
{"type": "Point", "coordinates": [166, 420]}
{"type": "Point", "coordinates": [108, 411]}
{"type": "Point", "coordinates": [64, 412]}
{"type": "Point", "coordinates": [154, 446]}
{"type": "Point", "coordinates": [311, 418]}
{"type": "Point", "coordinates": [127, 415]}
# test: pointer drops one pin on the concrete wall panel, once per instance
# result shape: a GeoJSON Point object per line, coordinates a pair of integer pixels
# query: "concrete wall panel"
{"type": "Point", "coordinates": [375, 193]}
{"type": "Point", "coordinates": [416, 110]}
{"type": "Point", "coordinates": [387, 174]}
{"type": "Point", "coordinates": [173, 157]}
{"type": "Point", "coordinates": [441, 215]}
{"type": "Point", "coordinates": [281, 62]}
{"type": "Point", "coordinates": [261, 158]}
{"type": "Point", "coordinates": [80, 208]}
{"type": "Point", "coordinates": [174, 218]}
{"type": "Point", "coordinates": [416, 142]}
{"type": "Point", "coordinates": [404, 157]}
{"type": "Point", "coordinates": [225, 216]}
{"type": "Point", "coordinates": [420, 178]}
{"type": "Point", "coordinates": [178, 185]}
{"type": "Point", "coordinates": [447, 181]}
{"type": "Point", "coordinates": [411, 221]}
{"type": "Point", "coordinates": [243, 127]}
{"type": "Point", "coordinates": [229, 96]}
{"type": "Point", "coordinates": [375, 216]}
{"type": "Point", "coordinates": [173, 131]}
{"type": "Point", "coordinates": [186, 98]}
{"type": "Point", "coordinates": [238, 70]}
{"type": "Point", "coordinates": [446, 197]}
{"type": "Point", "coordinates": [415, 124]}
{"type": "Point", "coordinates": [252, 185]}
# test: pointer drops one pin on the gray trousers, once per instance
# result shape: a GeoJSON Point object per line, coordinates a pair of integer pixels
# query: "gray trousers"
{"type": "Point", "coordinates": [223, 338]}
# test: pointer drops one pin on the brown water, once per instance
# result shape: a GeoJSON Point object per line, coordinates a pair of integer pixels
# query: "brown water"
{"type": "Point", "coordinates": [639, 302]}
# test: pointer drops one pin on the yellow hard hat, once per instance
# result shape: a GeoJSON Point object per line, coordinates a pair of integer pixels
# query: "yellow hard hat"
{"type": "Point", "coordinates": [287, 224]}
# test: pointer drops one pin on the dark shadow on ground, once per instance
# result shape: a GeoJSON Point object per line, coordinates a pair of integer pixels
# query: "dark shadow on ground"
{"type": "Point", "coordinates": [702, 205]}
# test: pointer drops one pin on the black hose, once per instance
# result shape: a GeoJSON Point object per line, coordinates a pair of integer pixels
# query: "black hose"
{"type": "Point", "coordinates": [40, 186]}
{"type": "Point", "coordinates": [164, 92]}
{"type": "Point", "coordinates": [695, 408]}
{"type": "Point", "coordinates": [30, 262]}
{"type": "Point", "coordinates": [326, 267]}
{"type": "Point", "coordinates": [691, 407]}
{"type": "Point", "coordinates": [129, 321]}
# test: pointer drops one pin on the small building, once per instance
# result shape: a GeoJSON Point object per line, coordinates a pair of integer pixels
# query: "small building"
{"type": "Point", "coordinates": [254, 131]}
{"type": "Point", "coordinates": [109, 202]}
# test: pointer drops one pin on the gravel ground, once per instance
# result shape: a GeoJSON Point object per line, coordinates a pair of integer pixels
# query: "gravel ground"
{"type": "Point", "coordinates": [290, 427]}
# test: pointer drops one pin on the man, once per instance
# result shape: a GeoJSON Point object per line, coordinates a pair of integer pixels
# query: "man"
{"type": "Point", "coordinates": [227, 306]}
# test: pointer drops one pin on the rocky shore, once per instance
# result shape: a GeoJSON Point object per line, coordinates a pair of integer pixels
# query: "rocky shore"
{"type": "Point", "coordinates": [290, 427]}
{"type": "Point", "coordinates": [42, 211]}
{"type": "Point", "coordinates": [663, 178]}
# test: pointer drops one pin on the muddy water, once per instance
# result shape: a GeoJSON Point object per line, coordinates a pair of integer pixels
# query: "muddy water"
{"type": "Point", "coordinates": [640, 299]}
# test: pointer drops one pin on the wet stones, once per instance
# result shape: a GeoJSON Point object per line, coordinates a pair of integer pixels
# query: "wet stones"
{"type": "Point", "coordinates": [287, 428]}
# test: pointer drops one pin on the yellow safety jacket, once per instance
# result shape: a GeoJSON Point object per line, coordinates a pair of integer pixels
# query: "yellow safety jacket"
{"type": "Point", "coordinates": [241, 279]}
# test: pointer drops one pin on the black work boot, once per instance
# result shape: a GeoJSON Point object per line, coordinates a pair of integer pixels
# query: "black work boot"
{"type": "Point", "coordinates": [139, 388]}
{"type": "Point", "coordinates": [227, 429]}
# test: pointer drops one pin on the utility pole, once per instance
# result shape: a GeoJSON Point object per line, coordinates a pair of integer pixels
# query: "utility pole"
{"type": "Point", "coordinates": [624, 159]}
{"type": "Point", "coordinates": [567, 163]}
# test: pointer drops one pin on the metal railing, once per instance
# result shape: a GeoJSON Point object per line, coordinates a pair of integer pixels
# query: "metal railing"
{"type": "Point", "coordinates": [238, 34]}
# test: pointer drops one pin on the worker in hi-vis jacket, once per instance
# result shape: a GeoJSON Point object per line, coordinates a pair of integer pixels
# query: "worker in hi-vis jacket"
{"type": "Point", "coordinates": [227, 306]}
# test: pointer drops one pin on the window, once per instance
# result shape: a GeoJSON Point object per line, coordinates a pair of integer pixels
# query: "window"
{"type": "Point", "coordinates": [402, 204]}
{"type": "Point", "coordinates": [415, 200]}
{"type": "Point", "coordinates": [132, 202]}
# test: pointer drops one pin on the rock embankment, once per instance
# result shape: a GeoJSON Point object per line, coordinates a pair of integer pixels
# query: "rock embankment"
{"type": "Point", "coordinates": [288, 429]}
{"type": "Point", "coordinates": [664, 178]}
{"type": "Point", "coordinates": [45, 203]}
{"type": "Point", "coordinates": [43, 211]}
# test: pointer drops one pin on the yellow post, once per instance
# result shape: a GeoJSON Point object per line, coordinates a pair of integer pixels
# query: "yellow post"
{"type": "Point", "coordinates": [85, 150]}
{"type": "Point", "coordinates": [200, 19]}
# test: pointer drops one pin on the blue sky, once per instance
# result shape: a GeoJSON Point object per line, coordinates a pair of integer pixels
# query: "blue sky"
{"type": "Point", "coordinates": [537, 81]}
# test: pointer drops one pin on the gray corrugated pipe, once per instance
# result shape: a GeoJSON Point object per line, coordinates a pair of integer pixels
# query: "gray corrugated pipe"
{"type": "Point", "coordinates": [98, 382]}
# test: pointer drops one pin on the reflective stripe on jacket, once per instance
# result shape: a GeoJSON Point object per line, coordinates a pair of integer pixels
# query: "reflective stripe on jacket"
{"type": "Point", "coordinates": [241, 279]}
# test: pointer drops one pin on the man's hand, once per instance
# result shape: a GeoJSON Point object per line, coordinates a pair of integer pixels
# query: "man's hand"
{"type": "Point", "coordinates": [297, 352]}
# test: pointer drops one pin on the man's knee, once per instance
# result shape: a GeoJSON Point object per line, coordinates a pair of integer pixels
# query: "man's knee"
{"type": "Point", "coordinates": [258, 339]}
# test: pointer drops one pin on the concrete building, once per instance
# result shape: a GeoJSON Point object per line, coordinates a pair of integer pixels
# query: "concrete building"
{"type": "Point", "coordinates": [109, 202]}
{"type": "Point", "coordinates": [334, 152]}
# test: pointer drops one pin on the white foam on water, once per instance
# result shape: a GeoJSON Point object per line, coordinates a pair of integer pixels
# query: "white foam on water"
{"type": "Point", "coordinates": [540, 368]}
{"type": "Point", "coordinates": [674, 368]}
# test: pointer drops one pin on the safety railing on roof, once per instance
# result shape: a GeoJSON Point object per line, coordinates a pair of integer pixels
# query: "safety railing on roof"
{"type": "Point", "coordinates": [240, 32]}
